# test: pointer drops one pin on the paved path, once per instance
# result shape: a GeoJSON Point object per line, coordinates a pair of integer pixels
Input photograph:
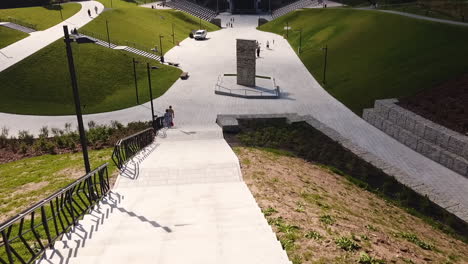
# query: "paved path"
{"type": "Point", "coordinates": [17, 27]}
{"type": "Point", "coordinates": [195, 103]}
{"type": "Point", "coordinates": [187, 205]}
{"type": "Point", "coordinates": [40, 39]}
{"type": "Point", "coordinates": [419, 17]}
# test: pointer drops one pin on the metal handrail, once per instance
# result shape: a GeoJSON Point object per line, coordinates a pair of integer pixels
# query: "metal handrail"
{"type": "Point", "coordinates": [24, 241]}
{"type": "Point", "coordinates": [128, 147]}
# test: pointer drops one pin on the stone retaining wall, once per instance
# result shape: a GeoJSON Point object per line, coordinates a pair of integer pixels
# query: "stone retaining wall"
{"type": "Point", "coordinates": [434, 141]}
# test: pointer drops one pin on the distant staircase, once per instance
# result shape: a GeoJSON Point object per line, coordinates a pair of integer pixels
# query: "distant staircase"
{"type": "Point", "coordinates": [187, 205]}
{"type": "Point", "coordinates": [193, 9]}
{"type": "Point", "coordinates": [126, 48]}
{"type": "Point", "coordinates": [292, 7]}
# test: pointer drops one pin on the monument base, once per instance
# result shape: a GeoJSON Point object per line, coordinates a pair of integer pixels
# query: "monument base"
{"type": "Point", "coordinates": [265, 87]}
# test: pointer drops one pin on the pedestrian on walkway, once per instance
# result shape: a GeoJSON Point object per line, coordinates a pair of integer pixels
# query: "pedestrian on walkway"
{"type": "Point", "coordinates": [89, 12]}
{"type": "Point", "coordinates": [171, 111]}
{"type": "Point", "coordinates": [273, 41]}
{"type": "Point", "coordinates": [95, 9]}
{"type": "Point", "coordinates": [258, 52]}
{"type": "Point", "coordinates": [167, 119]}
{"type": "Point", "coordinates": [268, 44]}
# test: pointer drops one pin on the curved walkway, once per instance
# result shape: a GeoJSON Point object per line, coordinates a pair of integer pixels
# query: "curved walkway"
{"type": "Point", "coordinates": [37, 40]}
{"type": "Point", "coordinates": [195, 103]}
{"type": "Point", "coordinates": [419, 17]}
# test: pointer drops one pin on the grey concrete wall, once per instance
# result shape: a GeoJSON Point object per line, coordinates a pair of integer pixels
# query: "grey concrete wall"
{"type": "Point", "coordinates": [246, 62]}
{"type": "Point", "coordinates": [434, 141]}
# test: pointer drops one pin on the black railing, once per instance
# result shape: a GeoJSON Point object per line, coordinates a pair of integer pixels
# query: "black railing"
{"type": "Point", "coordinates": [25, 237]}
{"type": "Point", "coordinates": [18, 22]}
{"type": "Point", "coordinates": [127, 147]}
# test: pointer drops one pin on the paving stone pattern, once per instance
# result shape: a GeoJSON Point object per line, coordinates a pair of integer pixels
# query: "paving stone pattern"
{"type": "Point", "coordinates": [434, 141]}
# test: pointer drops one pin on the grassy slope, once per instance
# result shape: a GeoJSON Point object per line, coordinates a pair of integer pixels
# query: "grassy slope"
{"type": "Point", "coordinates": [27, 181]}
{"type": "Point", "coordinates": [121, 3]}
{"type": "Point", "coordinates": [40, 84]}
{"type": "Point", "coordinates": [374, 55]}
{"type": "Point", "coordinates": [310, 207]}
{"type": "Point", "coordinates": [150, 23]}
{"type": "Point", "coordinates": [43, 17]}
{"type": "Point", "coordinates": [9, 36]}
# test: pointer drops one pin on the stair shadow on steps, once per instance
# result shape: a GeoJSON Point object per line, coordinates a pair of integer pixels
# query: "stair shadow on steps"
{"type": "Point", "coordinates": [131, 169]}
{"type": "Point", "coordinates": [78, 235]}
{"type": "Point", "coordinates": [81, 235]}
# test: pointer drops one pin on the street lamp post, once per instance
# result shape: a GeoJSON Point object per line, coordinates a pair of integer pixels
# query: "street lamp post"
{"type": "Point", "coordinates": [111, 4]}
{"type": "Point", "coordinates": [148, 69]}
{"type": "Point", "coordinates": [325, 64]}
{"type": "Point", "coordinates": [61, 14]}
{"type": "Point", "coordinates": [160, 45]}
{"type": "Point", "coordinates": [108, 36]}
{"type": "Point", "coordinates": [76, 97]}
{"type": "Point", "coordinates": [173, 34]}
{"type": "Point", "coordinates": [135, 77]}
{"type": "Point", "coordinates": [287, 29]}
{"type": "Point", "coordinates": [200, 23]}
{"type": "Point", "coordinates": [269, 6]}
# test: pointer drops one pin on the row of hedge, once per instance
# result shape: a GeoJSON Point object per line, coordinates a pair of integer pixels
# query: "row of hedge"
{"type": "Point", "coordinates": [312, 145]}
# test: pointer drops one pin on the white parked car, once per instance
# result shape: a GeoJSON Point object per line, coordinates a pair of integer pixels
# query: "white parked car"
{"type": "Point", "coordinates": [200, 34]}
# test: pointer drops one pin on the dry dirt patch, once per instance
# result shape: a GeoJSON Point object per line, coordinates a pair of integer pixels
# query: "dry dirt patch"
{"type": "Point", "coordinates": [322, 218]}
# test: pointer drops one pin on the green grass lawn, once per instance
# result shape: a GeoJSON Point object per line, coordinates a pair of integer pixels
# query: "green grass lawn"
{"type": "Point", "coordinates": [40, 84]}
{"type": "Point", "coordinates": [27, 181]}
{"type": "Point", "coordinates": [150, 24]}
{"type": "Point", "coordinates": [42, 17]}
{"type": "Point", "coordinates": [122, 3]}
{"type": "Point", "coordinates": [374, 55]}
{"type": "Point", "coordinates": [9, 36]}
{"type": "Point", "coordinates": [441, 13]}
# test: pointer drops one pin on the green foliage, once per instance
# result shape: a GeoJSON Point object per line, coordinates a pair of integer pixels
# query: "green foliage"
{"type": "Point", "coordinates": [364, 258]}
{"type": "Point", "coordinates": [105, 80]}
{"type": "Point", "coordinates": [25, 137]}
{"type": "Point", "coordinates": [327, 219]}
{"type": "Point", "coordinates": [367, 49]}
{"type": "Point", "coordinates": [347, 244]}
{"type": "Point", "coordinates": [269, 211]}
{"type": "Point", "coordinates": [313, 235]}
{"type": "Point", "coordinates": [44, 146]}
{"type": "Point", "coordinates": [414, 239]}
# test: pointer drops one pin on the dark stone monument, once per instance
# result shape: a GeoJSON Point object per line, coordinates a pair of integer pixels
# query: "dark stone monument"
{"type": "Point", "coordinates": [246, 62]}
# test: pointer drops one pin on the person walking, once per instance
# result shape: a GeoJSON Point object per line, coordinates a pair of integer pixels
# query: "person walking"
{"type": "Point", "coordinates": [89, 12]}
{"type": "Point", "coordinates": [268, 45]}
{"type": "Point", "coordinates": [171, 111]}
{"type": "Point", "coordinates": [95, 9]}
{"type": "Point", "coordinates": [258, 52]}
{"type": "Point", "coordinates": [167, 119]}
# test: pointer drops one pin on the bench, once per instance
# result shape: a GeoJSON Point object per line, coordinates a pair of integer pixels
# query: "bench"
{"type": "Point", "coordinates": [184, 75]}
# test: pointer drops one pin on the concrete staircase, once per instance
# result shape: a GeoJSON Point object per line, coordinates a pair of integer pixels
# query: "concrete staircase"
{"type": "Point", "coordinates": [181, 208]}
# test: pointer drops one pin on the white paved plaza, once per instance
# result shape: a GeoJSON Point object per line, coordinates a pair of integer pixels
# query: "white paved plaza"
{"type": "Point", "coordinates": [196, 104]}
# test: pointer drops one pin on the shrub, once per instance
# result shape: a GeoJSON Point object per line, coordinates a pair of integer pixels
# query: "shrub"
{"type": "Point", "coordinates": [44, 132]}
{"type": "Point", "coordinates": [347, 244]}
{"type": "Point", "coordinates": [414, 239]}
{"type": "Point", "coordinates": [313, 235]}
{"type": "Point", "coordinates": [23, 135]}
{"type": "Point", "coordinates": [56, 132]}
{"type": "Point", "coordinates": [327, 219]}
{"type": "Point", "coordinates": [14, 144]}
{"type": "Point", "coordinates": [91, 124]}
{"type": "Point", "coordinates": [4, 137]}
{"type": "Point", "coordinates": [23, 148]}
{"type": "Point", "coordinates": [366, 259]}
{"type": "Point", "coordinates": [44, 145]}
{"type": "Point", "coordinates": [98, 134]}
